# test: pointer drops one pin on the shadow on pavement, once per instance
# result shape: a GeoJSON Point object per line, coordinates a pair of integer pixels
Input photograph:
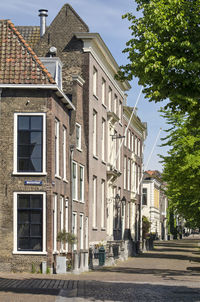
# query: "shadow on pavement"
{"type": "Point", "coordinates": [97, 290]}
{"type": "Point", "coordinates": [161, 255]}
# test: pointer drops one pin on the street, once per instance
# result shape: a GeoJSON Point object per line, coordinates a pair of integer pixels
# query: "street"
{"type": "Point", "coordinates": [171, 272]}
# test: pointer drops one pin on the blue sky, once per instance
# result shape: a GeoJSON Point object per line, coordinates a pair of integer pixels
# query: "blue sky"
{"type": "Point", "coordinates": [104, 17]}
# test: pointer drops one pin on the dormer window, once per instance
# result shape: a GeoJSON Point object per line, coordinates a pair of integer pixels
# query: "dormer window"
{"type": "Point", "coordinates": [54, 66]}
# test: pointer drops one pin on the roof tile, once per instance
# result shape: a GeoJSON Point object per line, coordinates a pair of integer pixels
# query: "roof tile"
{"type": "Point", "coordinates": [18, 62]}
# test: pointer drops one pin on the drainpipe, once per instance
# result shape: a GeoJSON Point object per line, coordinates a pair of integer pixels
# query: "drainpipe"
{"type": "Point", "coordinates": [42, 14]}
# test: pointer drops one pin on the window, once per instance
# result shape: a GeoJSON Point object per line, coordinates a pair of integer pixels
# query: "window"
{"type": "Point", "coordinates": [125, 139]}
{"type": "Point", "coordinates": [57, 126]}
{"type": "Point", "coordinates": [129, 175]}
{"type": "Point", "coordinates": [74, 181]}
{"type": "Point", "coordinates": [103, 91]}
{"type": "Point", "coordinates": [29, 143]}
{"type": "Point", "coordinates": [103, 203]}
{"type": "Point", "coordinates": [78, 136]}
{"type": "Point", "coordinates": [125, 172]}
{"type": "Point", "coordinates": [129, 139]}
{"type": "Point", "coordinates": [132, 143]}
{"type": "Point", "coordinates": [64, 153]}
{"type": "Point", "coordinates": [115, 104]}
{"type": "Point", "coordinates": [55, 205]}
{"type": "Point", "coordinates": [144, 196]}
{"type": "Point", "coordinates": [29, 222]}
{"type": "Point", "coordinates": [120, 111]}
{"type": "Point", "coordinates": [94, 81]}
{"type": "Point", "coordinates": [81, 231]}
{"type": "Point", "coordinates": [136, 152]}
{"type": "Point", "coordinates": [94, 133]}
{"type": "Point", "coordinates": [139, 148]}
{"type": "Point", "coordinates": [81, 183]}
{"type": "Point", "coordinates": [110, 99]}
{"type": "Point", "coordinates": [66, 220]}
{"type": "Point", "coordinates": [94, 202]}
{"type": "Point", "coordinates": [74, 228]}
{"type": "Point", "coordinates": [103, 139]}
{"type": "Point", "coordinates": [86, 232]}
{"type": "Point", "coordinates": [62, 218]}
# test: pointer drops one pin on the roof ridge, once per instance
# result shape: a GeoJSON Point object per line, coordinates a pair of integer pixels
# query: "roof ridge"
{"type": "Point", "coordinates": [29, 49]}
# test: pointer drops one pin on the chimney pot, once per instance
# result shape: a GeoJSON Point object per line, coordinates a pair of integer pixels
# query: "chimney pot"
{"type": "Point", "coordinates": [43, 13]}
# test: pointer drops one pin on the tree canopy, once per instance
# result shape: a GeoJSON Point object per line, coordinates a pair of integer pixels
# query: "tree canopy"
{"type": "Point", "coordinates": [164, 52]}
{"type": "Point", "coordinates": [182, 166]}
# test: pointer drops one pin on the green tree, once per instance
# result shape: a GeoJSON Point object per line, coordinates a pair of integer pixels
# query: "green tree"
{"type": "Point", "coordinates": [164, 52]}
{"type": "Point", "coordinates": [182, 166]}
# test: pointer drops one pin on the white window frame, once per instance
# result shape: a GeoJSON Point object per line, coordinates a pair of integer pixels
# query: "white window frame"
{"type": "Point", "coordinates": [115, 104]}
{"type": "Point", "coordinates": [86, 233]}
{"type": "Point", "coordinates": [55, 221]}
{"type": "Point", "coordinates": [43, 142]}
{"type": "Point", "coordinates": [110, 99]}
{"type": "Point", "coordinates": [94, 80]}
{"type": "Point", "coordinates": [103, 91]}
{"type": "Point", "coordinates": [44, 250]}
{"type": "Point", "coordinates": [76, 180]}
{"type": "Point", "coordinates": [64, 154]}
{"type": "Point", "coordinates": [120, 110]}
{"type": "Point", "coordinates": [62, 218]}
{"type": "Point", "coordinates": [78, 147]}
{"type": "Point", "coordinates": [125, 169]}
{"type": "Point", "coordinates": [132, 142]}
{"type": "Point", "coordinates": [81, 231]}
{"type": "Point", "coordinates": [94, 210]}
{"type": "Point", "coordinates": [74, 228]}
{"type": "Point", "coordinates": [129, 175]}
{"type": "Point", "coordinates": [102, 203]}
{"type": "Point", "coordinates": [129, 139]}
{"type": "Point", "coordinates": [94, 133]}
{"type": "Point", "coordinates": [66, 221]}
{"type": "Point", "coordinates": [57, 147]}
{"type": "Point", "coordinates": [82, 184]}
{"type": "Point", "coordinates": [103, 141]}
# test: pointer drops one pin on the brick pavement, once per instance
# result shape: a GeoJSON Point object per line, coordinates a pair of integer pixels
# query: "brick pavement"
{"type": "Point", "coordinates": [169, 273]}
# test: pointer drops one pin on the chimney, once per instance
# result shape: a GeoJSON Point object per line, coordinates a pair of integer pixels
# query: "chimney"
{"type": "Point", "coordinates": [42, 14]}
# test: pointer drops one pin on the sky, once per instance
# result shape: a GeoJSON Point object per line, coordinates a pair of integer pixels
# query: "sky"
{"type": "Point", "coordinates": [104, 17]}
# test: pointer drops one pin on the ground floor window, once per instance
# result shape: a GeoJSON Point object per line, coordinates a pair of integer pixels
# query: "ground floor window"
{"type": "Point", "coordinates": [29, 222]}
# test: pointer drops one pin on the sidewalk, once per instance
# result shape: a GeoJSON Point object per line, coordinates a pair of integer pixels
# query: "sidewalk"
{"type": "Point", "coordinates": [173, 267]}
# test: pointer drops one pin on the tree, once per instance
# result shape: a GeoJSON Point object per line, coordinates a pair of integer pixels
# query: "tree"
{"type": "Point", "coordinates": [146, 224]}
{"type": "Point", "coordinates": [182, 166]}
{"type": "Point", "coordinates": [164, 52]}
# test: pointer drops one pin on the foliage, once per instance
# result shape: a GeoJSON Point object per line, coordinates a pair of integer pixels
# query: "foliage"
{"type": "Point", "coordinates": [66, 237]}
{"type": "Point", "coordinates": [145, 226]}
{"type": "Point", "coordinates": [164, 52]}
{"type": "Point", "coordinates": [33, 268]}
{"type": "Point", "coordinates": [182, 166]}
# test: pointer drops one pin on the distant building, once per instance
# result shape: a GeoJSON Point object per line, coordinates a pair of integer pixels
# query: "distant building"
{"type": "Point", "coordinates": [154, 203]}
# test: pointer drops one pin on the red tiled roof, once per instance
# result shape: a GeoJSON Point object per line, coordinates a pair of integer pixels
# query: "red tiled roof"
{"type": "Point", "coordinates": [18, 62]}
{"type": "Point", "coordinates": [30, 33]}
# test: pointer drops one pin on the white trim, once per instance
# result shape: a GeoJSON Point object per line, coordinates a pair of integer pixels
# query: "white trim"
{"type": "Point", "coordinates": [81, 217]}
{"type": "Point", "coordinates": [83, 184]}
{"type": "Point", "coordinates": [15, 172]}
{"type": "Point", "coordinates": [78, 79]}
{"type": "Point", "coordinates": [64, 153]}
{"type": "Point", "coordinates": [57, 147]}
{"type": "Point", "coordinates": [15, 251]}
{"type": "Point", "coordinates": [75, 198]}
{"type": "Point", "coordinates": [74, 228]}
{"type": "Point", "coordinates": [55, 206]}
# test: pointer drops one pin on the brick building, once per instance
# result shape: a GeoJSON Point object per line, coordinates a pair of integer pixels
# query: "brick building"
{"type": "Point", "coordinates": [34, 123]}
{"type": "Point", "coordinates": [81, 183]}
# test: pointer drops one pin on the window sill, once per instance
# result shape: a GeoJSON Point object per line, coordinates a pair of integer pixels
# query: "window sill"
{"type": "Point", "coordinates": [95, 229]}
{"type": "Point", "coordinates": [58, 177]}
{"type": "Point", "coordinates": [75, 200]}
{"type": "Point", "coordinates": [104, 105]}
{"type": "Point", "coordinates": [95, 157]}
{"type": "Point", "coordinates": [82, 201]}
{"type": "Point", "coordinates": [103, 162]}
{"type": "Point", "coordinates": [96, 97]}
{"type": "Point", "coordinates": [29, 173]}
{"type": "Point", "coordinates": [103, 229]}
{"type": "Point", "coordinates": [120, 123]}
{"type": "Point", "coordinates": [65, 180]}
{"type": "Point", "coordinates": [78, 149]}
{"type": "Point", "coordinates": [28, 253]}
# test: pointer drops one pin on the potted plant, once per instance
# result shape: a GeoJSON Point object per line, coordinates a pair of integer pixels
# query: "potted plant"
{"type": "Point", "coordinates": [65, 237]}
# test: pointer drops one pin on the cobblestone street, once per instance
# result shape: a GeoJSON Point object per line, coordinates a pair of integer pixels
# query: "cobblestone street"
{"type": "Point", "coordinates": [169, 273]}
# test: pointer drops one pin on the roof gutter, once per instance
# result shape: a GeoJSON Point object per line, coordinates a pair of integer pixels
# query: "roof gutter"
{"type": "Point", "coordinates": [58, 91]}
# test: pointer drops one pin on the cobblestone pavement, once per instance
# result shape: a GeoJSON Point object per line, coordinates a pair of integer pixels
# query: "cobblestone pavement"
{"type": "Point", "coordinates": [169, 273]}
